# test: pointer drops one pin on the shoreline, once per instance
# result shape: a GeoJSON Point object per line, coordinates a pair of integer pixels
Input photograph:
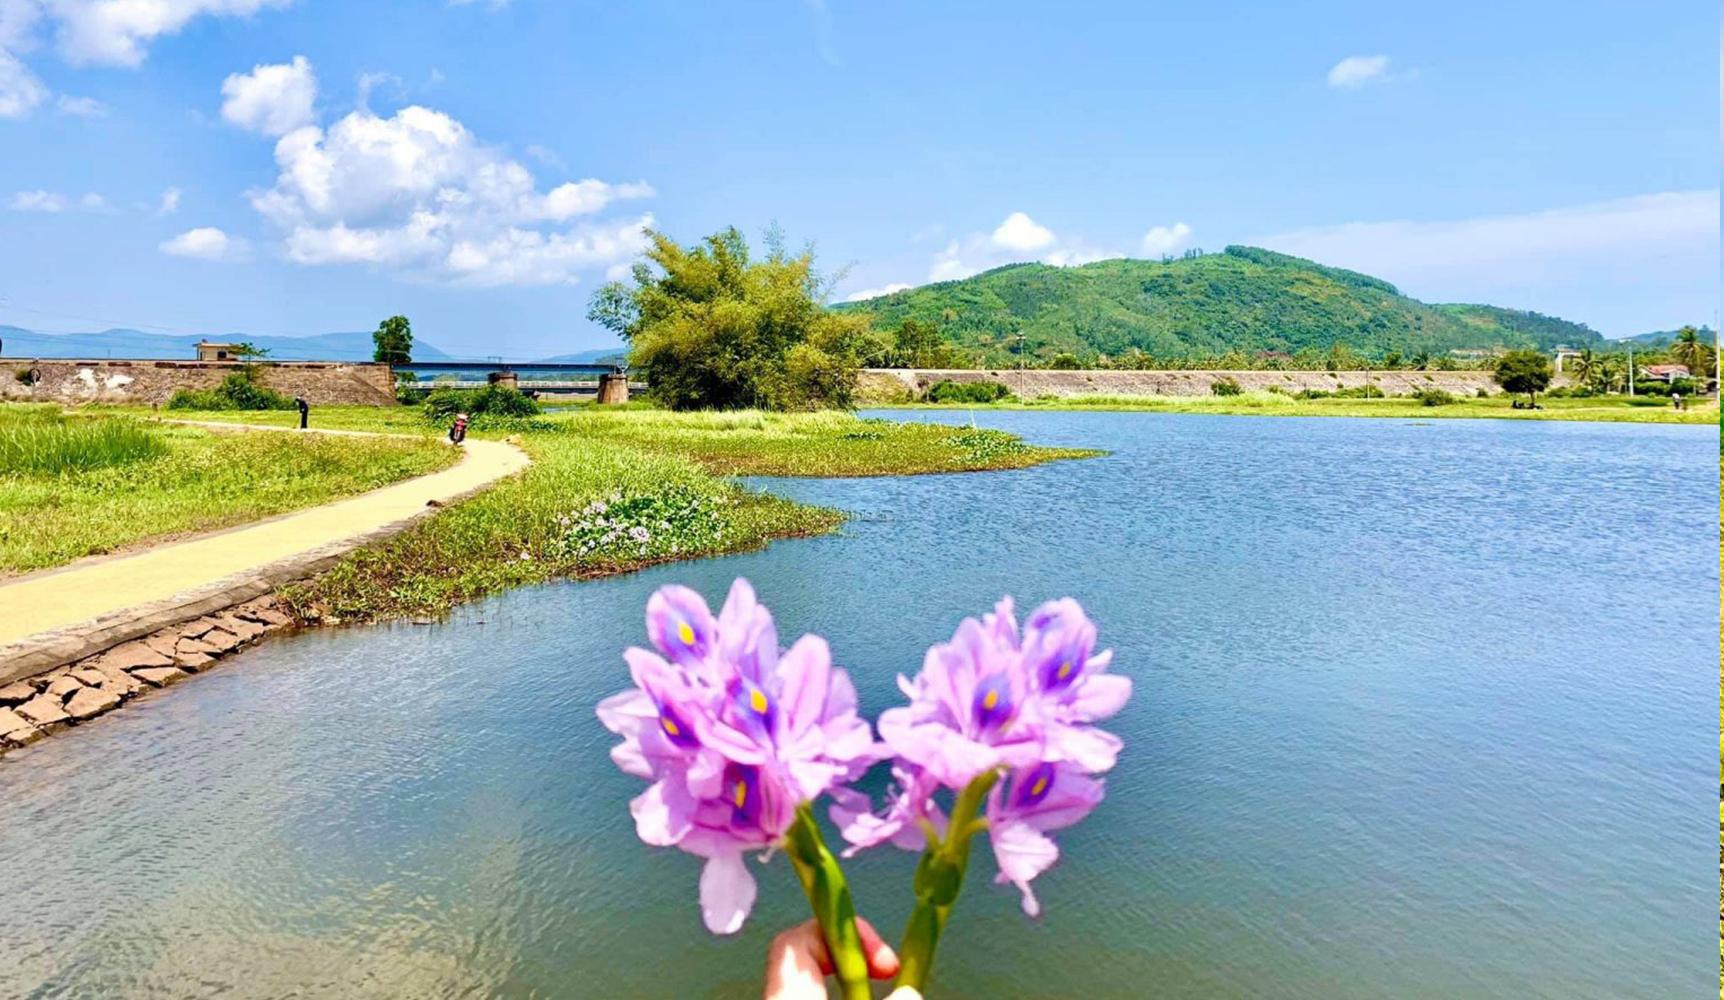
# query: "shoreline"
{"type": "Point", "coordinates": [114, 662]}
{"type": "Point", "coordinates": [1561, 409]}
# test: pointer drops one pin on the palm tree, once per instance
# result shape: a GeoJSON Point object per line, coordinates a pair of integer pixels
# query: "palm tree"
{"type": "Point", "coordinates": [1583, 367]}
{"type": "Point", "coordinates": [1689, 350]}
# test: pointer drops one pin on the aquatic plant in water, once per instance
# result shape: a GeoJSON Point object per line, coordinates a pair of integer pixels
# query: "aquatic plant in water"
{"type": "Point", "coordinates": [740, 740]}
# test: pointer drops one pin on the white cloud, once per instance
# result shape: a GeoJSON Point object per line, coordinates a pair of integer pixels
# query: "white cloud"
{"type": "Point", "coordinates": [37, 201]}
{"type": "Point", "coordinates": [1014, 240]}
{"type": "Point", "coordinates": [874, 293]}
{"type": "Point", "coordinates": [1356, 71]}
{"type": "Point", "coordinates": [204, 243]}
{"type": "Point", "coordinates": [169, 203]}
{"type": "Point", "coordinates": [271, 99]}
{"type": "Point", "coordinates": [104, 32]}
{"type": "Point", "coordinates": [119, 32]}
{"type": "Point", "coordinates": [1628, 264]}
{"type": "Point", "coordinates": [417, 194]}
{"type": "Point", "coordinates": [80, 107]}
{"type": "Point", "coordinates": [93, 202]}
{"type": "Point", "coordinates": [1164, 239]}
{"type": "Point", "coordinates": [20, 90]}
{"type": "Point", "coordinates": [1022, 233]}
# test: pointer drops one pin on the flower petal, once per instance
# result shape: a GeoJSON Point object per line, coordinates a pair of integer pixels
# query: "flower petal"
{"type": "Point", "coordinates": [726, 892]}
{"type": "Point", "coordinates": [663, 814]}
{"type": "Point", "coordinates": [1022, 853]}
{"type": "Point", "coordinates": [1099, 696]}
{"type": "Point", "coordinates": [806, 670]}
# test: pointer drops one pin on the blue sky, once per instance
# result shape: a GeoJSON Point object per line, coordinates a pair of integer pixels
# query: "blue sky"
{"type": "Point", "coordinates": [297, 166]}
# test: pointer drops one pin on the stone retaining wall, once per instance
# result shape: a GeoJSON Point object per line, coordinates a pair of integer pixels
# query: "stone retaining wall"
{"type": "Point", "coordinates": [41, 706]}
{"type": "Point", "coordinates": [882, 384]}
{"type": "Point", "coordinates": [70, 381]}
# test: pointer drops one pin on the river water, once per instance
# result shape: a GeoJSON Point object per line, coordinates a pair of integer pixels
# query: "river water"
{"type": "Point", "coordinates": [1423, 709]}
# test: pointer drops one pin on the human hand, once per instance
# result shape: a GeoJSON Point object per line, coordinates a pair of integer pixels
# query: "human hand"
{"type": "Point", "coordinates": [797, 963]}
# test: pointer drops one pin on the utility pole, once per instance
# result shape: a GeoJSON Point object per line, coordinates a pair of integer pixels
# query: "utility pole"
{"type": "Point", "coordinates": [1631, 371]}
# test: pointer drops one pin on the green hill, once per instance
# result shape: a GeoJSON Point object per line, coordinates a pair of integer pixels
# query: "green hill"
{"type": "Point", "coordinates": [1243, 299]}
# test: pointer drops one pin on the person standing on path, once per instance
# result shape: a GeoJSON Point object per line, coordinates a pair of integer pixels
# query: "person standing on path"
{"type": "Point", "coordinates": [304, 411]}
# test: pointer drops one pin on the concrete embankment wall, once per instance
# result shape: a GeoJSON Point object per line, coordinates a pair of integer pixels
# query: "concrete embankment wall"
{"type": "Point", "coordinates": [899, 383]}
{"type": "Point", "coordinates": [70, 381]}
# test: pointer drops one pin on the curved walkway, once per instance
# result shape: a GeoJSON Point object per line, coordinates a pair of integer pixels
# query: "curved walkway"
{"type": "Point", "coordinates": [59, 615]}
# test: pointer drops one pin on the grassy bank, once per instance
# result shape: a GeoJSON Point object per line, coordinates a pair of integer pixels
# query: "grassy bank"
{"type": "Point", "coordinates": [614, 490]}
{"type": "Point", "coordinates": [79, 485]}
{"type": "Point", "coordinates": [1610, 409]}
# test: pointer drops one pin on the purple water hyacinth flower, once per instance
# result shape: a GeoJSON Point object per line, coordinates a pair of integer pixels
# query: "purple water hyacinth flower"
{"type": "Point", "coordinates": [1024, 809]}
{"type": "Point", "coordinates": [733, 736]}
{"type": "Point", "coordinates": [997, 700]}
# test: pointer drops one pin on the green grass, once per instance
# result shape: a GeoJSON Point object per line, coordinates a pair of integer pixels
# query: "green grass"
{"type": "Point", "coordinates": [186, 480]}
{"type": "Point", "coordinates": [615, 489]}
{"type": "Point", "coordinates": [38, 439]}
{"type": "Point", "coordinates": [1610, 408]}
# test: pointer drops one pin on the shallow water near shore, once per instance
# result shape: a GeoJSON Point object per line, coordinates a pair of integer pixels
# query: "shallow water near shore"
{"type": "Point", "coordinates": [1421, 710]}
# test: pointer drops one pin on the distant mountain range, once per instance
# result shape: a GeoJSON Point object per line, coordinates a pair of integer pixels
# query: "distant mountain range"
{"type": "Point", "coordinates": [1661, 338]}
{"type": "Point", "coordinates": [17, 342]}
{"type": "Point", "coordinates": [1243, 299]}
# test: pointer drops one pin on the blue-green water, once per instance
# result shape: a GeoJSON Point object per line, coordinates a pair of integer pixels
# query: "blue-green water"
{"type": "Point", "coordinates": [1422, 710]}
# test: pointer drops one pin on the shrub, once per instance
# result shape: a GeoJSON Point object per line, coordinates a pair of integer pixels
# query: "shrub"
{"type": "Point", "coordinates": [239, 391]}
{"type": "Point", "coordinates": [1482, 393]}
{"type": "Point", "coordinates": [493, 400]}
{"type": "Point", "coordinates": [1225, 387]}
{"type": "Point", "coordinates": [45, 442]}
{"type": "Point", "coordinates": [967, 392]}
{"type": "Point", "coordinates": [1435, 397]}
{"type": "Point", "coordinates": [1065, 362]}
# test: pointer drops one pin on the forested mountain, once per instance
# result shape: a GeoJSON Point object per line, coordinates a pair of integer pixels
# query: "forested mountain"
{"type": "Point", "coordinates": [1244, 299]}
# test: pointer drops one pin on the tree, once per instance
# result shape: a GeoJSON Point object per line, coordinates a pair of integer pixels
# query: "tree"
{"type": "Point", "coordinates": [1524, 371]}
{"type": "Point", "coordinates": [714, 328]}
{"type": "Point", "coordinates": [1584, 368]}
{"type": "Point", "coordinates": [1691, 352]}
{"type": "Point", "coordinates": [393, 341]}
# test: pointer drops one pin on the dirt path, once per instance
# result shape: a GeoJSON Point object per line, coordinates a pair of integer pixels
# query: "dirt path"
{"type": "Point", "coordinates": [58, 614]}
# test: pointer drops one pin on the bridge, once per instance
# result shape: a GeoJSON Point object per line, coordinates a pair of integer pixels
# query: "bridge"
{"type": "Point", "coordinates": [608, 382]}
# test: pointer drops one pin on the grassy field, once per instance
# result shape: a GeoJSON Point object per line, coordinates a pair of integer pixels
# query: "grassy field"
{"type": "Point", "coordinates": [1643, 409]}
{"type": "Point", "coordinates": [612, 490]}
{"type": "Point", "coordinates": [84, 484]}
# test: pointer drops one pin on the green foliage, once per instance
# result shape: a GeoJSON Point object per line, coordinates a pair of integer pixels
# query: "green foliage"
{"type": "Point", "coordinates": [1524, 372]}
{"type": "Point", "coordinates": [104, 482]}
{"type": "Point", "coordinates": [247, 349]}
{"type": "Point", "coordinates": [967, 392]}
{"type": "Point", "coordinates": [238, 391]}
{"type": "Point", "coordinates": [1691, 351]}
{"type": "Point", "coordinates": [1065, 362]}
{"type": "Point", "coordinates": [1350, 392]}
{"type": "Point", "coordinates": [393, 341]}
{"type": "Point", "coordinates": [1433, 396]}
{"type": "Point", "coordinates": [715, 328]}
{"type": "Point", "coordinates": [39, 440]}
{"type": "Point", "coordinates": [1225, 387]}
{"type": "Point", "coordinates": [1273, 309]}
{"type": "Point", "coordinates": [493, 400]}
{"type": "Point", "coordinates": [916, 345]}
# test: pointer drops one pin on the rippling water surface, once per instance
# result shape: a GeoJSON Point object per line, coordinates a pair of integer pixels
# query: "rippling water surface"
{"type": "Point", "coordinates": [1422, 710]}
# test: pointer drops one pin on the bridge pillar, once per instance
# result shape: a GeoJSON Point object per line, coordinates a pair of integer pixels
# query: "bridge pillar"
{"type": "Point", "coordinates": [506, 380]}
{"type": "Point", "coordinates": [614, 388]}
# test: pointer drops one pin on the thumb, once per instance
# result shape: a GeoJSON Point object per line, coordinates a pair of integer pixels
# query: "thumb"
{"type": "Point", "coordinates": [904, 993]}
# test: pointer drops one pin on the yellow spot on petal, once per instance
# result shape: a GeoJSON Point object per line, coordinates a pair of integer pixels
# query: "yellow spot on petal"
{"type": "Point", "coordinates": [1039, 787]}
{"type": "Point", "coordinates": [990, 700]}
{"type": "Point", "coordinates": [1065, 670]}
{"type": "Point", "coordinates": [740, 796]}
{"type": "Point", "coordinates": [685, 632]}
{"type": "Point", "coordinates": [757, 701]}
{"type": "Point", "coordinates": [670, 727]}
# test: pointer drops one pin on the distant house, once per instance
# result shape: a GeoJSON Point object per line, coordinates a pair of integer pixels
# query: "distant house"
{"type": "Point", "coordinates": [209, 350]}
{"type": "Point", "coordinates": [1665, 373]}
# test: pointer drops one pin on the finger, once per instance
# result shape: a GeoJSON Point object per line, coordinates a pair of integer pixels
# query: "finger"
{"type": "Point", "coordinates": [882, 960]}
{"type": "Point", "coordinates": [904, 993]}
{"type": "Point", "coordinates": [794, 965]}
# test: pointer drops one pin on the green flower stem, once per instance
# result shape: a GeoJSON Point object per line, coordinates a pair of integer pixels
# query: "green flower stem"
{"type": "Point", "coordinates": [939, 879]}
{"type": "Point", "coordinates": [829, 897]}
